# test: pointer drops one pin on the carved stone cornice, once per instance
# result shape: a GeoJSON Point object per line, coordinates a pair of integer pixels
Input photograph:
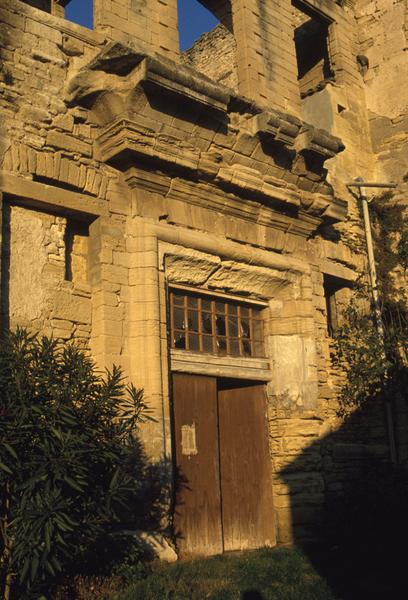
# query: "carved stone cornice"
{"type": "Point", "coordinates": [318, 143]}
{"type": "Point", "coordinates": [121, 69]}
{"type": "Point", "coordinates": [212, 197]}
{"type": "Point", "coordinates": [276, 126]}
{"type": "Point", "coordinates": [125, 137]}
{"type": "Point", "coordinates": [294, 133]}
{"type": "Point", "coordinates": [126, 91]}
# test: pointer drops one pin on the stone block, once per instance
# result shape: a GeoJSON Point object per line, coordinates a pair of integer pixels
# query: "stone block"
{"type": "Point", "coordinates": [66, 142]}
{"type": "Point", "coordinates": [43, 31]}
{"type": "Point", "coordinates": [300, 428]}
{"type": "Point", "coordinates": [65, 122]}
{"type": "Point", "coordinates": [114, 274]}
{"type": "Point", "coordinates": [72, 308]}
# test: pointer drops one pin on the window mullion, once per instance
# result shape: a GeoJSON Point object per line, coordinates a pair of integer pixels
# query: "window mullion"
{"type": "Point", "coordinates": [186, 330]}
{"type": "Point", "coordinates": [241, 351]}
{"type": "Point", "coordinates": [251, 332]}
{"type": "Point", "coordinates": [214, 327]}
{"type": "Point", "coordinates": [227, 334]}
{"type": "Point", "coordinates": [200, 325]}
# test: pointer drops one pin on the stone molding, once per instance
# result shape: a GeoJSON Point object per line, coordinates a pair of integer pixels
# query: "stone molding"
{"type": "Point", "coordinates": [120, 60]}
{"type": "Point", "coordinates": [276, 126]}
{"type": "Point", "coordinates": [42, 196]}
{"type": "Point", "coordinates": [120, 77]}
{"type": "Point", "coordinates": [214, 198]}
{"type": "Point", "coordinates": [216, 245]}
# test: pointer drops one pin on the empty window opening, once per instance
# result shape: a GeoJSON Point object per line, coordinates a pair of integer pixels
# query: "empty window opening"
{"type": "Point", "coordinates": [215, 325]}
{"type": "Point", "coordinates": [337, 296]}
{"type": "Point", "coordinates": [76, 252]}
{"type": "Point", "coordinates": [194, 20]}
{"type": "Point", "coordinates": [311, 32]}
{"type": "Point", "coordinates": [77, 11]}
{"type": "Point", "coordinates": [80, 12]}
{"type": "Point", "coordinates": [44, 5]}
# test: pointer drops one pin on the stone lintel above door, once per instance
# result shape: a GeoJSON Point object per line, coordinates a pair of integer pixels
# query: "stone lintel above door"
{"type": "Point", "coordinates": [253, 369]}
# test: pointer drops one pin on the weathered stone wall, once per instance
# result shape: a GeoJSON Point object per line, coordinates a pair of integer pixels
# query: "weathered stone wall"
{"type": "Point", "coordinates": [45, 143]}
{"type": "Point", "coordinates": [382, 30]}
{"type": "Point", "coordinates": [214, 55]}
{"type": "Point", "coordinates": [152, 23]}
{"type": "Point", "coordinates": [339, 107]}
{"type": "Point", "coordinates": [36, 293]}
{"type": "Point", "coordinates": [123, 172]}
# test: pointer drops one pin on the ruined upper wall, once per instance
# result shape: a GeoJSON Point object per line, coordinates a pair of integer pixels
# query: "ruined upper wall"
{"type": "Point", "coordinates": [265, 60]}
{"type": "Point", "coordinates": [214, 55]}
{"type": "Point", "coordinates": [382, 30]}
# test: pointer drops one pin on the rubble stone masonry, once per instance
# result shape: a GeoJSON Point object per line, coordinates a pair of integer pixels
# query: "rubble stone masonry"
{"type": "Point", "coordinates": [126, 168]}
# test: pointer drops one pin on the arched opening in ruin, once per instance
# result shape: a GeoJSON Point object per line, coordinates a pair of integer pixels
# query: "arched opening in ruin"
{"type": "Point", "coordinates": [194, 20]}
{"type": "Point", "coordinates": [80, 12]}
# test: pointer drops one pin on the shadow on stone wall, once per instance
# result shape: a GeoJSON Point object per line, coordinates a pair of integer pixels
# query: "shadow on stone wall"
{"type": "Point", "coordinates": [363, 519]}
{"type": "Point", "coordinates": [7, 79]}
{"type": "Point", "coordinates": [4, 267]}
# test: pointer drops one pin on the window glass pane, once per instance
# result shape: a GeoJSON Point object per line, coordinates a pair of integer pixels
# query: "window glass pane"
{"type": "Point", "coordinates": [193, 320]}
{"type": "Point", "coordinates": [178, 299]}
{"type": "Point", "coordinates": [179, 341]}
{"type": "Point", "coordinates": [246, 348]}
{"type": "Point", "coordinates": [206, 304]}
{"type": "Point", "coordinates": [220, 324]}
{"type": "Point", "coordinates": [244, 311]}
{"type": "Point", "coordinates": [233, 327]}
{"type": "Point", "coordinates": [222, 345]}
{"type": "Point", "coordinates": [193, 342]}
{"type": "Point", "coordinates": [234, 347]}
{"type": "Point", "coordinates": [207, 323]}
{"type": "Point", "coordinates": [179, 319]}
{"type": "Point", "coordinates": [220, 307]}
{"type": "Point", "coordinates": [245, 328]}
{"type": "Point", "coordinates": [207, 343]}
{"type": "Point", "coordinates": [193, 302]}
{"type": "Point", "coordinates": [232, 309]}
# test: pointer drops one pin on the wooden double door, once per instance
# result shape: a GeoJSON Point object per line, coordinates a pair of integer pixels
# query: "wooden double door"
{"type": "Point", "coordinates": [223, 480]}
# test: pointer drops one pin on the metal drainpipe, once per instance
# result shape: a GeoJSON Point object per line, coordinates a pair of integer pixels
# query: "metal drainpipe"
{"type": "Point", "coordinates": [359, 183]}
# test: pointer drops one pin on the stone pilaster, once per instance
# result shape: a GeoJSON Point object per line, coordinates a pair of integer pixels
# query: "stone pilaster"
{"type": "Point", "coordinates": [109, 278]}
{"type": "Point", "coordinates": [144, 332]}
{"type": "Point", "coordinates": [266, 58]}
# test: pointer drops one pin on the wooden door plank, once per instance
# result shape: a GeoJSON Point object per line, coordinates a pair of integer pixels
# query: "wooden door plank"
{"type": "Point", "coordinates": [246, 484]}
{"type": "Point", "coordinates": [197, 517]}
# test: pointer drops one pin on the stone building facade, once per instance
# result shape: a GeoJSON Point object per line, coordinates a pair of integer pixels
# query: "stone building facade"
{"type": "Point", "coordinates": [158, 208]}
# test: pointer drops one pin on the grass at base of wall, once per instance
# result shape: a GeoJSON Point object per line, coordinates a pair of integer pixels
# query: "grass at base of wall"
{"type": "Point", "coordinates": [266, 574]}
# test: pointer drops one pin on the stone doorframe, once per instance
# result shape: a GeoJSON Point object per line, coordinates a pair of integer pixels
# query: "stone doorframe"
{"type": "Point", "coordinates": [161, 255]}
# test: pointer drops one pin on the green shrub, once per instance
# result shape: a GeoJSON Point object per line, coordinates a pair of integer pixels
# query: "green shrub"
{"type": "Point", "coordinates": [72, 470]}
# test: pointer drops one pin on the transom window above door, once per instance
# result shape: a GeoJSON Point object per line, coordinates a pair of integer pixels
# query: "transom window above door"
{"type": "Point", "coordinates": [215, 325]}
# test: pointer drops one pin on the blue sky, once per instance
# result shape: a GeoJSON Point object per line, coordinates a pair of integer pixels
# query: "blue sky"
{"type": "Point", "coordinates": [194, 19]}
